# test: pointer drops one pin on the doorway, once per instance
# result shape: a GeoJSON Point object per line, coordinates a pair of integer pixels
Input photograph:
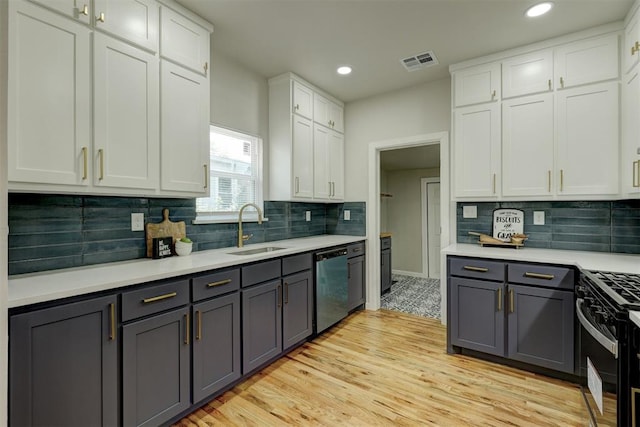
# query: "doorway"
{"type": "Point", "coordinates": [431, 245]}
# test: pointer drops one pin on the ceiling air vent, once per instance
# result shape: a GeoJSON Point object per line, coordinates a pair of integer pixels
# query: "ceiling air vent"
{"type": "Point", "coordinates": [420, 61]}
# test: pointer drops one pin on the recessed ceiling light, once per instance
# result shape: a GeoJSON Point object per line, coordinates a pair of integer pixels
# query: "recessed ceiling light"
{"type": "Point", "coordinates": [539, 9]}
{"type": "Point", "coordinates": [344, 70]}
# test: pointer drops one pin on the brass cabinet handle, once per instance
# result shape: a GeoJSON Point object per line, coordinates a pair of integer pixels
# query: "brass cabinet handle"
{"type": "Point", "coordinates": [494, 183]}
{"type": "Point", "coordinates": [112, 321]}
{"type": "Point", "coordinates": [296, 107]}
{"type": "Point", "coordinates": [561, 179]}
{"type": "Point", "coordinates": [636, 174]}
{"type": "Point", "coordinates": [635, 48]}
{"type": "Point", "coordinates": [206, 176]}
{"type": "Point", "coordinates": [549, 84]}
{"type": "Point", "coordinates": [84, 163]}
{"type": "Point", "coordinates": [206, 68]}
{"type": "Point", "coordinates": [511, 301]}
{"type": "Point", "coordinates": [634, 392]}
{"type": "Point", "coordinates": [100, 18]}
{"type": "Point", "coordinates": [186, 328]}
{"type": "Point", "coordinates": [549, 181]}
{"type": "Point", "coordinates": [493, 94]}
{"type": "Point", "coordinates": [297, 189]}
{"type": "Point", "coordinates": [159, 297]}
{"type": "Point", "coordinates": [286, 293]}
{"type": "Point", "coordinates": [84, 10]}
{"type": "Point", "coordinates": [101, 156]}
{"type": "Point", "coordinates": [478, 269]}
{"type": "Point", "coordinates": [539, 276]}
{"type": "Point", "coordinates": [218, 283]}
{"type": "Point", "coordinates": [279, 296]}
{"type": "Point", "coordinates": [561, 82]}
{"type": "Point", "coordinates": [198, 325]}
{"type": "Point", "coordinates": [499, 299]}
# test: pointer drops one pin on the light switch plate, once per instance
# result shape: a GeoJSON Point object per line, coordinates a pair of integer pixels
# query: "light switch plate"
{"type": "Point", "coordinates": [307, 216]}
{"type": "Point", "coordinates": [470, 211]}
{"type": "Point", "coordinates": [137, 222]}
{"type": "Point", "coordinates": [538, 217]}
{"type": "Point", "coordinates": [347, 215]}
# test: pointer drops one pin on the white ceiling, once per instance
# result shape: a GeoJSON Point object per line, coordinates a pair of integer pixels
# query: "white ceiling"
{"type": "Point", "coordinates": [313, 37]}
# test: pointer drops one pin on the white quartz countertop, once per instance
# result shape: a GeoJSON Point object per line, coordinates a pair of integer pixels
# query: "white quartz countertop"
{"type": "Point", "coordinates": [621, 263]}
{"type": "Point", "coordinates": [51, 285]}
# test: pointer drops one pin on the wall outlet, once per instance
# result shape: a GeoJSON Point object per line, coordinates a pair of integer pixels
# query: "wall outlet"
{"type": "Point", "coordinates": [307, 216]}
{"type": "Point", "coordinates": [470, 211]}
{"type": "Point", "coordinates": [137, 222]}
{"type": "Point", "coordinates": [347, 215]}
{"type": "Point", "coordinates": [538, 217]}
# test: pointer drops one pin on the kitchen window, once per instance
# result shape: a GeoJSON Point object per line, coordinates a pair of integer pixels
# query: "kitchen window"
{"type": "Point", "coordinates": [235, 177]}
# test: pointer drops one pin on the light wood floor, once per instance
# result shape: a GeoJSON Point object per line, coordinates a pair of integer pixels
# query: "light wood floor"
{"type": "Point", "coordinates": [387, 368]}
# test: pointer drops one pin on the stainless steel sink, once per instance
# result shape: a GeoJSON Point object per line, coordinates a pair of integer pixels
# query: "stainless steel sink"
{"type": "Point", "coordinates": [256, 250]}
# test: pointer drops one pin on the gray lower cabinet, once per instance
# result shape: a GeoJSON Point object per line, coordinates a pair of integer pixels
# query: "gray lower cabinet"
{"type": "Point", "coordinates": [385, 264]}
{"type": "Point", "coordinates": [261, 324]}
{"type": "Point", "coordinates": [356, 275]}
{"type": "Point", "coordinates": [297, 308]}
{"type": "Point", "coordinates": [216, 345]}
{"type": "Point", "coordinates": [63, 365]}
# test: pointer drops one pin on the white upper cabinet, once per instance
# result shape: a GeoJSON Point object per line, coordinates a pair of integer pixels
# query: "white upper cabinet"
{"type": "Point", "coordinates": [587, 61]}
{"type": "Point", "coordinates": [476, 151]}
{"type": "Point", "coordinates": [135, 21]}
{"type": "Point", "coordinates": [328, 174]}
{"type": "Point", "coordinates": [126, 115]}
{"type": "Point", "coordinates": [630, 153]}
{"type": "Point", "coordinates": [184, 130]}
{"type": "Point", "coordinates": [76, 9]}
{"type": "Point", "coordinates": [527, 146]}
{"type": "Point", "coordinates": [336, 165]}
{"type": "Point", "coordinates": [328, 113]}
{"type": "Point", "coordinates": [527, 74]}
{"type": "Point", "coordinates": [476, 85]}
{"type": "Point", "coordinates": [184, 41]}
{"type": "Point", "coordinates": [49, 98]}
{"type": "Point", "coordinates": [302, 102]}
{"type": "Point", "coordinates": [588, 140]}
{"type": "Point", "coordinates": [302, 158]}
{"type": "Point", "coordinates": [631, 44]}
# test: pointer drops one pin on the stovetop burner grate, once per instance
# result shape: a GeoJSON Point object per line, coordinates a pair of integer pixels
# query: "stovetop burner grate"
{"type": "Point", "coordinates": [625, 285]}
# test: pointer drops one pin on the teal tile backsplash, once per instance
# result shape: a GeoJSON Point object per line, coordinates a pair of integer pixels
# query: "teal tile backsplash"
{"type": "Point", "coordinates": [48, 232]}
{"type": "Point", "coordinates": [601, 226]}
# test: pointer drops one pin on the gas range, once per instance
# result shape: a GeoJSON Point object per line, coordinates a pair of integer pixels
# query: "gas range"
{"type": "Point", "coordinates": [622, 288]}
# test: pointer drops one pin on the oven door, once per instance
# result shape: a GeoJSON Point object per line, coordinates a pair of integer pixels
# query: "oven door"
{"type": "Point", "coordinates": [598, 366]}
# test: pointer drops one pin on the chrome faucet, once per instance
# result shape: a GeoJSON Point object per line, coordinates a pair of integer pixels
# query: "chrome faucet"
{"type": "Point", "coordinates": [243, 237]}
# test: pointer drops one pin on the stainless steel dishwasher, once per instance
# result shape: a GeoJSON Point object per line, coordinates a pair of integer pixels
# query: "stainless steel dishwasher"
{"type": "Point", "coordinates": [331, 287]}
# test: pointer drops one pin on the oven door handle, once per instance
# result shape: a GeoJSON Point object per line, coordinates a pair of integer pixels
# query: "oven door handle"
{"type": "Point", "coordinates": [611, 346]}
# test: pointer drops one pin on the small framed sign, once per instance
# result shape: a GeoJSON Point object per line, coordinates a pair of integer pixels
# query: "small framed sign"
{"type": "Point", "coordinates": [162, 247]}
{"type": "Point", "coordinates": [507, 222]}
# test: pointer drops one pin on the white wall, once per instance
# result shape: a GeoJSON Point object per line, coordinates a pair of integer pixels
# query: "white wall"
{"type": "Point", "coordinates": [404, 217]}
{"type": "Point", "coordinates": [4, 333]}
{"type": "Point", "coordinates": [413, 111]}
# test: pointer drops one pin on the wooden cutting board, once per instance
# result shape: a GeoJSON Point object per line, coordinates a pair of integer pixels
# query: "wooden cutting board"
{"type": "Point", "coordinates": [166, 228]}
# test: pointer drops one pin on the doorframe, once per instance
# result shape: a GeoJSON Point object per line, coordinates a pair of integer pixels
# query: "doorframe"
{"type": "Point", "coordinates": [425, 222]}
{"type": "Point", "coordinates": [373, 209]}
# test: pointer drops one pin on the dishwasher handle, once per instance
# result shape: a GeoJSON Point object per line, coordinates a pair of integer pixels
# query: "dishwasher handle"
{"type": "Point", "coordinates": [332, 253]}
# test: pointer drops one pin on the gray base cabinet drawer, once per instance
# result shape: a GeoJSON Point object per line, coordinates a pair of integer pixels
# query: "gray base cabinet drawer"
{"type": "Point", "coordinates": [356, 249]}
{"type": "Point", "coordinates": [385, 243]}
{"type": "Point", "coordinates": [296, 263]}
{"type": "Point", "coordinates": [261, 272]}
{"type": "Point", "coordinates": [213, 284]}
{"type": "Point", "coordinates": [154, 299]}
{"type": "Point", "coordinates": [477, 268]}
{"type": "Point", "coordinates": [542, 275]}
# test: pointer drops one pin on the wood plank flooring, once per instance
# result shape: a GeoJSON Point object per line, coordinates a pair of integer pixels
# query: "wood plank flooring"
{"type": "Point", "coordinates": [382, 368]}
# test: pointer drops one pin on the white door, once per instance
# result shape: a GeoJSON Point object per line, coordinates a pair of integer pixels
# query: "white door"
{"type": "Point", "coordinates": [321, 179]}
{"type": "Point", "coordinates": [433, 221]}
{"type": "Point", "coordinates": [132, 20]}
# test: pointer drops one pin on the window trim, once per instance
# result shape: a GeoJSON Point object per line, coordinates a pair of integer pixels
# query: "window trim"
{"type": "Point", "coordinates": [232, 216]}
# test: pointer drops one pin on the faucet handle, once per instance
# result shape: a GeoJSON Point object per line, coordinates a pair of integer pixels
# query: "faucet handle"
{"type": "Point", "coordinates": [246, 237]}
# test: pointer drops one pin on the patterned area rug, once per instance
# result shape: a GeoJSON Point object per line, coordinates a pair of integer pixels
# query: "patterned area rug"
{"type": "Point", "coordinates": [413, 295]}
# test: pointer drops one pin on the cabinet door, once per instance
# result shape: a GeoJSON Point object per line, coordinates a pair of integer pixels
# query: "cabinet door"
{"type": "Point", "coordinates": [76, 9]}
{"type": "Point", "coordinates": [630, 159]}
{"type": "Point", "coordinates": [631, 43]}
{"type": "Point", "coordinates": [321, 110]}
{"type": "Point", "coordinates": [336, 115]}
{"type": "Point", "coordinates": [126, 127]}
{"type": "Point", "coordinates": [476, 148]}
{"type": "Point", "coordinates": [477, 315]}
{"type": "Point", "coordinates": [527, 74]}
{"type": "Point", "coordinates": [63, 365]}
{"type": "Point", "coordinates": [587, 61]}
{"type": "Point", "coordinates": [216, 345]}
{"type": "Point", "coordinates": [477, 85]}
{"type": "Point", "coordinates": [184, 42]}
{"type": "Point", "coordinates": [588, 139]}
{"type": "Point", "coordinates": [49, 97]}
{"type": "Point", "coordinates": [261, 324]}
{"type": "Point", "coordinates": [321, 179]}
{"type": "Point", "coordinates": [303, 167]}
{"type": "Point", "coordinates": [184, 130]}
{"type": "Point", "coordinates": [297, 308]}
{"type": "Point", "coordinates": [155, 368]}
{"type": "Point", "coordinates": [356, 275]}
{"type": "Point", "coordinates": [302, 100]}
{"type": "Point", "coordinates": [540, 327]}
{"type": "Point", "coordinates": [336, 165]}
{"type": "Point", "coordinates": [133, 20]}
{"type": "Point", "coordinates": [385, 271]}
{"type": "Point", "coordinates": [527, 146]}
